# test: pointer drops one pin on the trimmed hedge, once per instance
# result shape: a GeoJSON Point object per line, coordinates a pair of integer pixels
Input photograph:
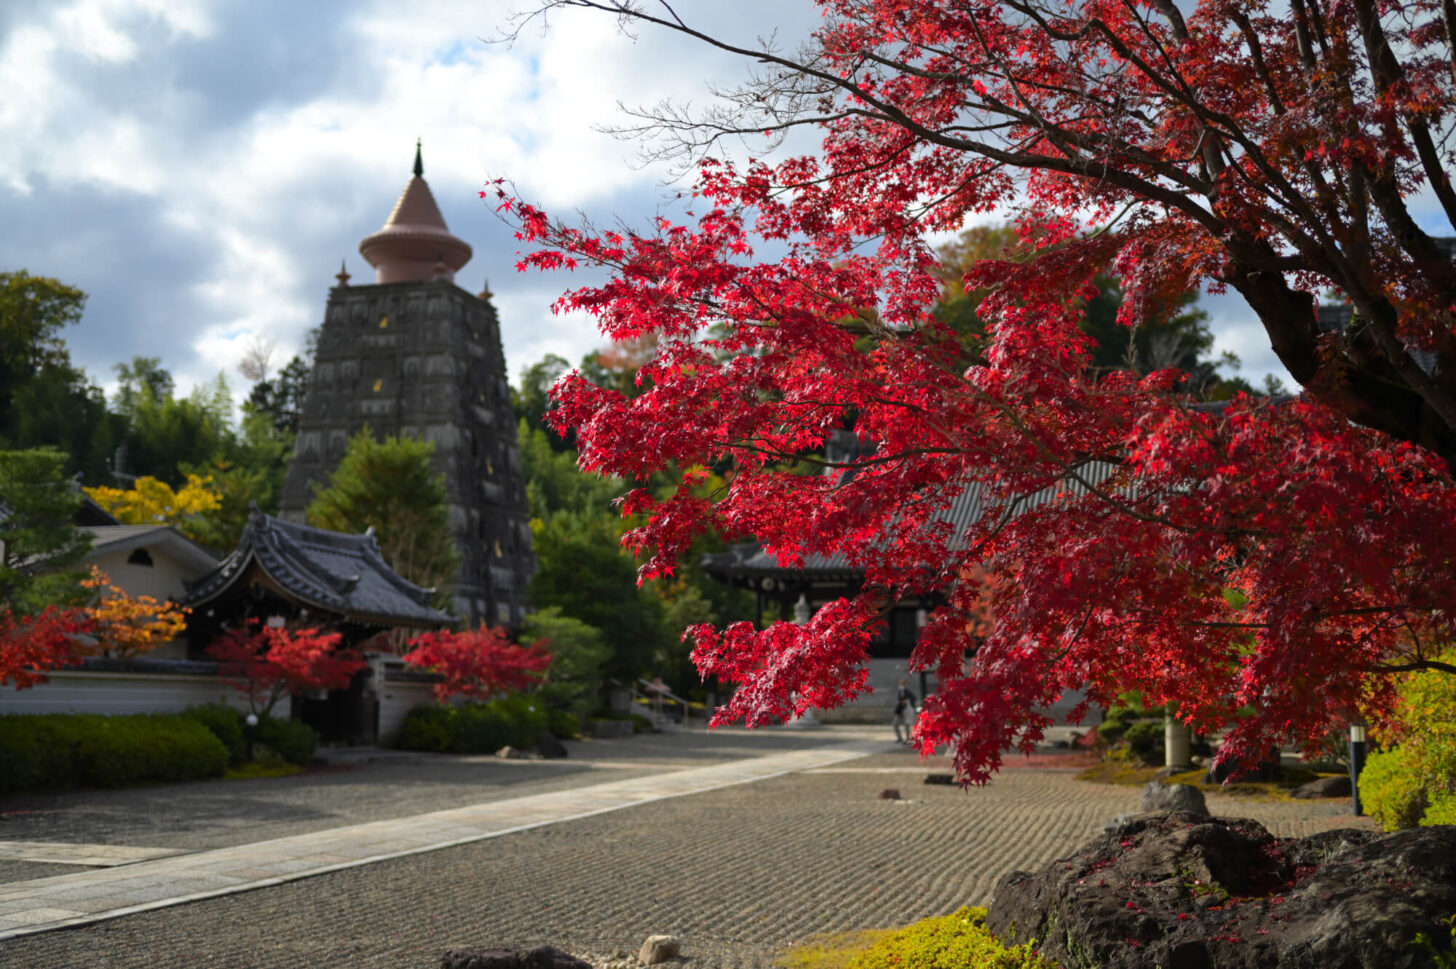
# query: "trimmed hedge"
{"type": "Point", "coordinates": [960, 939]}
{"type": "Point", "coordinates": [61, 750]}
{"type": "Point", "coordinates": [514, 720]}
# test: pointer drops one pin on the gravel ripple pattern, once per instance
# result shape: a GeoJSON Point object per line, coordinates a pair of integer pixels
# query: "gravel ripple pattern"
{"type": "Point", "coordinates": [738, 873]}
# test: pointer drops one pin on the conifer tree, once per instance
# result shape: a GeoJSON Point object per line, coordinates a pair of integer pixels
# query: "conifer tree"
{"type": "Point", "coordinates": [390, 485]}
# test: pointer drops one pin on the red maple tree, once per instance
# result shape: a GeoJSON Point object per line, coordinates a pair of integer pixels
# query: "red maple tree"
{"type": "Point", "coordinates": [1281, 556]}
{"type": "Point", "coordinates": [477, 663]}
{"type": "Point", "coordinates": [266, 663]}
{"type": "Point", "coordinates": [30, 645]}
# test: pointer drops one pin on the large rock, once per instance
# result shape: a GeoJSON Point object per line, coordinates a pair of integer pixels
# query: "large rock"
{"type": "Point", "coordinates": [1182, 891]}
{"type": "Point", "coordinates": [1159, 798]}
{"type": "Point", "coordinates": [659, 948]}
{"type": "Point", "coordinates": [1335, 786]}
{"type": "Point", "coordinates": [549, 747]}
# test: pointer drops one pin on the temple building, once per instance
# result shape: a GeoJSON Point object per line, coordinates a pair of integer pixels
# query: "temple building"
{"type": "Point", "coordinates": [414, 354]}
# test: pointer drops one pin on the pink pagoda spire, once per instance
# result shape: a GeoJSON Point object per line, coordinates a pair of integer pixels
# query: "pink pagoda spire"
{"type": "Point", "coordinates": [414, 244]}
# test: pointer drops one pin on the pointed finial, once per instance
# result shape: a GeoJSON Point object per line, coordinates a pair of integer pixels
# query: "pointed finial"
{"type": "Point", "coordinates": [419, 159]}
{"type": "Point", "coordinates": [485, 293]}
{"type": "Point", "coordinates": [342, 275]}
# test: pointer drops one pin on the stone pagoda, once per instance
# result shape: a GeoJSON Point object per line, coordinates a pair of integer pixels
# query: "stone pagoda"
{"type": "Point", "coordinates": [414, 354]}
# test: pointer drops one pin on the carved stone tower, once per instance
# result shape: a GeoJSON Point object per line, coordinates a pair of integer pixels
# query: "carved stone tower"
{"type": "Point", "coordinates": [416, 355]}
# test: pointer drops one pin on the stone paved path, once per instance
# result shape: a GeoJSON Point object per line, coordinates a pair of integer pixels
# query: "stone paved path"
{"type": "Point", "coordinates": [739, 872]}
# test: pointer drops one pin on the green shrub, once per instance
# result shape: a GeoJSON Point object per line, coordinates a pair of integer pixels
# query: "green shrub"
{"type": "Point", "coordinates": [1390, 790]}
{"type": "Point", "coordinates": [527, 716]}
{"type": "Point", "coordinates": [1441, 811]}
{"type": "Point", "coordinates": [1417, 775]}
{"type": "Point", "coordinates": [226, 725]}
{"type": "Point", "coordinates": [427, 728]}
{"type": "Point", "coordinates": [1145, 740]}
{"type": "Point", "coordinates": [293, 741]}
{"type": "Point", "coordinates": [514, 720]}
{"type": "Point", "coordinates": [1124, 716]}
{"type": "Point", "coordinates": [479, 728]}
{"type": "Point", "coordinates": [57, 751]}
{"type": "Point", "coordinates": [960, 940]}
{"type": "Point", "coordinates": [1427, 725]}
{"type": "Point", "coordinates": [563, 723]}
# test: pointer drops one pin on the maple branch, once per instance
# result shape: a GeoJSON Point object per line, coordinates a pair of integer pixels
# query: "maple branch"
{"type": "Point", "coordinates": [1417, 666]}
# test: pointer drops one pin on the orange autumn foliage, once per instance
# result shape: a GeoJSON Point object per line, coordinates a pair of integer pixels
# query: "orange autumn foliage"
{"type": "Point", "coordinates": [126, 625]}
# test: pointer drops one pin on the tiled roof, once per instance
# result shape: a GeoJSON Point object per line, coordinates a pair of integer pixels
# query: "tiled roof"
{"type": "Point", "coordinates": [331, 571]}
{"type": "Point", "coordinates": [750, 560]}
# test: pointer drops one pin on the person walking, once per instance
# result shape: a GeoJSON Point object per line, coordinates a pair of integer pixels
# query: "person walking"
{"type": "Point", "coordinates": [904, 719]}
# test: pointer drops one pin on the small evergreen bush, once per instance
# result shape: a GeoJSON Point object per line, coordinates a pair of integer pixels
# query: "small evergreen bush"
{"type": "Point", "coordinates": [1146, 740]}
{"type": "Point", "coordinates": [563, 723]}
{"type": "Point", "coordinates": [1124, 716]}
{"type": "Point", "coordinates": [427, 728]}
{"type": "Point", "coordinates": [226, 725]}
{"type": "Point", "coordinates": [1391, 791]}
{"type": "Point", "coordinates": [480, 728]}
{"type": "Point", "coordinates": [293, 741]}
{"type": "Point", "coordinates": [957, 941]}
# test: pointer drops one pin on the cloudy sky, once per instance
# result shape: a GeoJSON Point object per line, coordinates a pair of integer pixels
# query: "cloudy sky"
{"type": "Point", "coordinates": [200, 168]}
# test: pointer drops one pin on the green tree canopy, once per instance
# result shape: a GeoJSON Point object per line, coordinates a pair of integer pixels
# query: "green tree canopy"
{"type": "Point", "coordinates": [582, 572]}
{"type": "Point", "coordinates": [33, 311]}
{"type": "Point", "coordinates": [44, 399]}
{"type": "Point", "coordinates": [390, 485]}
{"type": "Point", "coordinates": [39, 541]}
{"type": "Point", "coordinates": [279, 397]}
{"type": "Point", "coordinates": [531, 401]}
{"type": "Point", "coordinates": [578, 657]}
{"type": "Point", "coordinates": [167, 434]}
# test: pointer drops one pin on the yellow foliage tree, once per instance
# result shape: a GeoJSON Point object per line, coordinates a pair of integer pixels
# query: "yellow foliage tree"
{"type": "Point", "coordinates": [153, 502]}
{"type": "Point", "coordinates": [126, 625]}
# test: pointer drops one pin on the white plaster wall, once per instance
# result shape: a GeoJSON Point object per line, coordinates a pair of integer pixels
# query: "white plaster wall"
{"type": "Point", "coordinates": [395, 701]}
{"type": "Point", "coordinates": [82, 691]}
{"type": "Point", "coordinates": [162, 580]}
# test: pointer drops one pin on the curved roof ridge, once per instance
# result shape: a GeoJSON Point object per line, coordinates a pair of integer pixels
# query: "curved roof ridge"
{"type": "Point", "coordinates": [335, 571]}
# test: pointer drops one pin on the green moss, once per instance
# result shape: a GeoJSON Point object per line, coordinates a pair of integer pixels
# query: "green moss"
{"type": "Point", "coordinates": [957, 941]}
{"type": "Point", "coordinates": [262, 769]}
{"type": "Point", "coordinates": [1120, 768]}
{"type": "Point", "coordinates": [834, 951]}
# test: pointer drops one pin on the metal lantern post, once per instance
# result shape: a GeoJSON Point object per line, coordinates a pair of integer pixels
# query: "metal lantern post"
{"type": "Point", "coordinates": [252, 722]}
{"type": "Point", "coordinates": [1357, 764]}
